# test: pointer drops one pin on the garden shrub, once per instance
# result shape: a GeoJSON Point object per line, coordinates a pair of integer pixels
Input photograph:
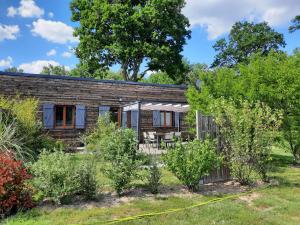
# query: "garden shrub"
{"type": "Point", "coordinates": [20, 117]}
{"type": "Point", "coordinates": [189, 162]}
{"type": "Point", "coordinates": [248, 130]}
{"type": "Point", "coordinates": [59, 177]}
{"type": "Point", "coordinates": [119, 148]}
{"type": "Point", "coordinates": [154, 178]}
{"type": "Point", "coordinates": [15, 194]}
{"type": "Point", "coordinates": [10, 142]}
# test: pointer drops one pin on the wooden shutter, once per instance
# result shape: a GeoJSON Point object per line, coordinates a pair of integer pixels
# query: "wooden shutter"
{"type": "Point", "coordinates": [80, 117]}
{"type": "Point", "coordinates": [134, 120]}
{"type": "Point", "coordinates": [103, 109]}
{"type": "Point", "coordinates": [177, 119]}
{"type": "Point", "coordinates": [124, 119]}
{"type": "Point", "coordinates": [156, 118]}
{"type": "Point", "coordinates": [48, 115]}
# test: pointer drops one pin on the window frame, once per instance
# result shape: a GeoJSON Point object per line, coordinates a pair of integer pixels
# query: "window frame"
{"type": "Point", "coordinates": [164, 125]}
{"type": "Point", "coordinates": [64, 120]}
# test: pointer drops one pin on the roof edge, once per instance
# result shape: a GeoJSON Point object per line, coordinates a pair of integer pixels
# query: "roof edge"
{"type": "Point", "coordinates": [90, 79]}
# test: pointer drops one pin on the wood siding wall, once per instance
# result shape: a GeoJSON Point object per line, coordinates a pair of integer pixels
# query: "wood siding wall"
{"type": "Point", "coordinates": [89, 93]}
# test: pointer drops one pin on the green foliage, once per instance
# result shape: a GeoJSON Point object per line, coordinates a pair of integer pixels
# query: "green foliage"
{"type": "Point", "coordinates": [20, 129]}
{"type": "Point", "coordinates": [55, 70]}
{"type": "Point", "coordinates": [191, 161]}
{"type": "Point", "coordinates": [83, 70]}
{"type": "Point", "coordinates": [119, 148]}
{"type": "Point", "coordinates": [130, 33]}
{"type": "Point", "coordinates": [248, 130]}
{"type": "Point", "coordinates": [296, 24]}
{"type": "Point", "coordinates": [58, 177]}
{"type": "Point", "coordinates": [159, 78]}
{"type": "Point", "coordinates": [272, 79]}
{"type": "Point", "coordinates": [10, 142]}
{"type": "Point", "coordinates": [245, 39]}
{"type": "Point", "coordinates": [154, 178]}
{"type": "Point", "coordinates": [14, 70]}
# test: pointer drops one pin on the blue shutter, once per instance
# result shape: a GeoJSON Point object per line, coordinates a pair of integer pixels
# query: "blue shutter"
{"type": "Point", "coordinates": [124, 119]}
{"type": "Point", "coordinates": [177, 119]}
{"type": "Point", "coordinates": [156, 118]}
{"type": "Point", "coordinates": [80, 117]}
{"type": "Point", "coordinates": [48, 115]}
{"type": "Point", "coordinates": [103, 110]}
{"type": "Point", "coordinates": [134, 120]}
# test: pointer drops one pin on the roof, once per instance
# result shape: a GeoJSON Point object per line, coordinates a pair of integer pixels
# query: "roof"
{"type": "Point", "coordinates": [160, 106]}
{"type": "Point", "coordinates": [89, 79]}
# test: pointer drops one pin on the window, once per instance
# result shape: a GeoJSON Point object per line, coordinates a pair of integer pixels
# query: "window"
{"type": "Point", "coordinates": [64, 116]}
{"type": "Point", "coordinates": [166, 119]}
{"type": "Point", "coordinates": [115, 113]}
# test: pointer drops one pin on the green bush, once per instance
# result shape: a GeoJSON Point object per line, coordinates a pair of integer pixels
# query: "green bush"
{"type": "Point", "coordinates": [10, 143]}
{"type": "Point", "coordinates": [154, 178]}
{"type": "Point", "coordinates": [189, 162]}
{"type": "Point", "coordinates": [248, 130]}
{"type": "Point", "coordinates": [119, 148]}
{"type": "Point", "coordinates": [58, 177]}
{"type": "Point", "coordinates": [19, 119]}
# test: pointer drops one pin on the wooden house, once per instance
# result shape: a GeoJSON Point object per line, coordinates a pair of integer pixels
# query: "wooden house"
{"type": "Point", "coordinates": [70, 106]}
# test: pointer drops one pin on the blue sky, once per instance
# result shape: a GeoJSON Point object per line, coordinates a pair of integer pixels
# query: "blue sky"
{"type": "Point", "coordinates": [36, 33]}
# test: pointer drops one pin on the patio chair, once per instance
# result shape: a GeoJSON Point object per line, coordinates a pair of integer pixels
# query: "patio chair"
{"type": "Point", "coordinates": [151, 137]}
{"type": "Point", "coordinates": [177, 135]}
{"type": "Point", "coordinates": [168, 138]}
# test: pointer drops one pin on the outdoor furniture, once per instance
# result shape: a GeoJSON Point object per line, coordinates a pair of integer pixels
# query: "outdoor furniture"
{"type": "Point", "coordinates": [150, 137]}
{"type": "Point", "coordinates": [168, 138]}
{"type": "Point", "coordinates": [158, 136]}
{"type": "Point", "coordinates": [177, 135]}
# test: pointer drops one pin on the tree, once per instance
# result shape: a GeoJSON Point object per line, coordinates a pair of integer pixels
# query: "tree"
{"type": "Point", "coordinates": [55, 70]}
{"type": "Point", "coordinates": [14, 70]}
{"type": "Point", "coordinates": [159, 78]}
{"type": "Point", "coordinates": [245, 39]}
{"type": "Point", "coordinates": [131, 33]}
{"type": "Point", "coordinates": [296, 24]}
{"type": "Point", "coordinates": [273, 79]}
{"type": "Point", "coordinates": [82, 70]}
{"type": "Point", "coordinates": [248, 130]}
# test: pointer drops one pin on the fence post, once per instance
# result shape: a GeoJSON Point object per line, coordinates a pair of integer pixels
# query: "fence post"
{"type": "Point", "coordinates": [198, 126]}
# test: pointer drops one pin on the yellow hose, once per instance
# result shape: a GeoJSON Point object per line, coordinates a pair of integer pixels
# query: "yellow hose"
{"type": "Point", "coordinates": [141, 216]}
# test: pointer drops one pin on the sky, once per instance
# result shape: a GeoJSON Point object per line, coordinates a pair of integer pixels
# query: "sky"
{"type": "Point", "coordinates": [36, 33]}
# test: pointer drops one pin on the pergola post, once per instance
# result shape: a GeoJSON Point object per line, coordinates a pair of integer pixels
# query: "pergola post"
{"type": "Point", "coordinates": [198, 125]}
{"type": "Point", "coordinates": [138, 123]}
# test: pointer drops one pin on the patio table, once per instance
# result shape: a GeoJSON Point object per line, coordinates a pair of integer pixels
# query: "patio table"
{"type": "Point", "coordinates": [159, 136]}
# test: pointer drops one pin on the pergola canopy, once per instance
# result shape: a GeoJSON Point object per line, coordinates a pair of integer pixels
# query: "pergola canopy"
{"type": "Point", "coordinates": [157, 106]}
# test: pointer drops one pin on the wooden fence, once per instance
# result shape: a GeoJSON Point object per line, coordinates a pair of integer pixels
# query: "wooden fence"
{"type": "Point", "coordinates": [206, 127]}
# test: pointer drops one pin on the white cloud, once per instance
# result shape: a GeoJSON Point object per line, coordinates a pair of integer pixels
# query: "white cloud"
{"type": "Point", "coordinates": [52, 52]}
{"type": "Point", "coordinates": [11, 11]}
{"type": "Point", "coordinates": [218, 16]}
{"type": "Point", "coordinates": [27, 9]}
{"type": "Point", "coordinates": [66, 54]}
{"type": "Point", "coordinates": [53, 31]}
{"type": "Point", "coordinates": [9, 32]}
{"type": "Point", "coordinates": [6, 63]}
{"type": "Point", "coordinates": [37, 66]}
{"type": "Point", "coordinates": [51, 14]}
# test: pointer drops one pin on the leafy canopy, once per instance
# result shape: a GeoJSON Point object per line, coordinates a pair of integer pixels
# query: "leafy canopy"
{"type": "Point", "coordinates": [272, 79]}
{"type": "Point", "coordinates": [55, 70]}
{"type": "Point", "coordinates": [248, 130]}
{"type": "Point", "coordinates": [245, 39]}
{"type": "Point", "coordinates": [131, 33]}
{"type": "Point", "coordinates": [296, 24]}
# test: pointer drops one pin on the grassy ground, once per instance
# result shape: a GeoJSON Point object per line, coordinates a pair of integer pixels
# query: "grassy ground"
{"type": "Point", "coordinates": [278, 204]}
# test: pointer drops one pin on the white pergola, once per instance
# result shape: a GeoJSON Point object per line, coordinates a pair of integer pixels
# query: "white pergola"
{"type": "Point", "coordinates": [137, 107]}
{"type": "Point", "coordinates": [157, 106]}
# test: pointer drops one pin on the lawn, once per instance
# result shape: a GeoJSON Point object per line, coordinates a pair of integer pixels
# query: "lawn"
{"type": "Point", "coordinates": [277, 204]}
